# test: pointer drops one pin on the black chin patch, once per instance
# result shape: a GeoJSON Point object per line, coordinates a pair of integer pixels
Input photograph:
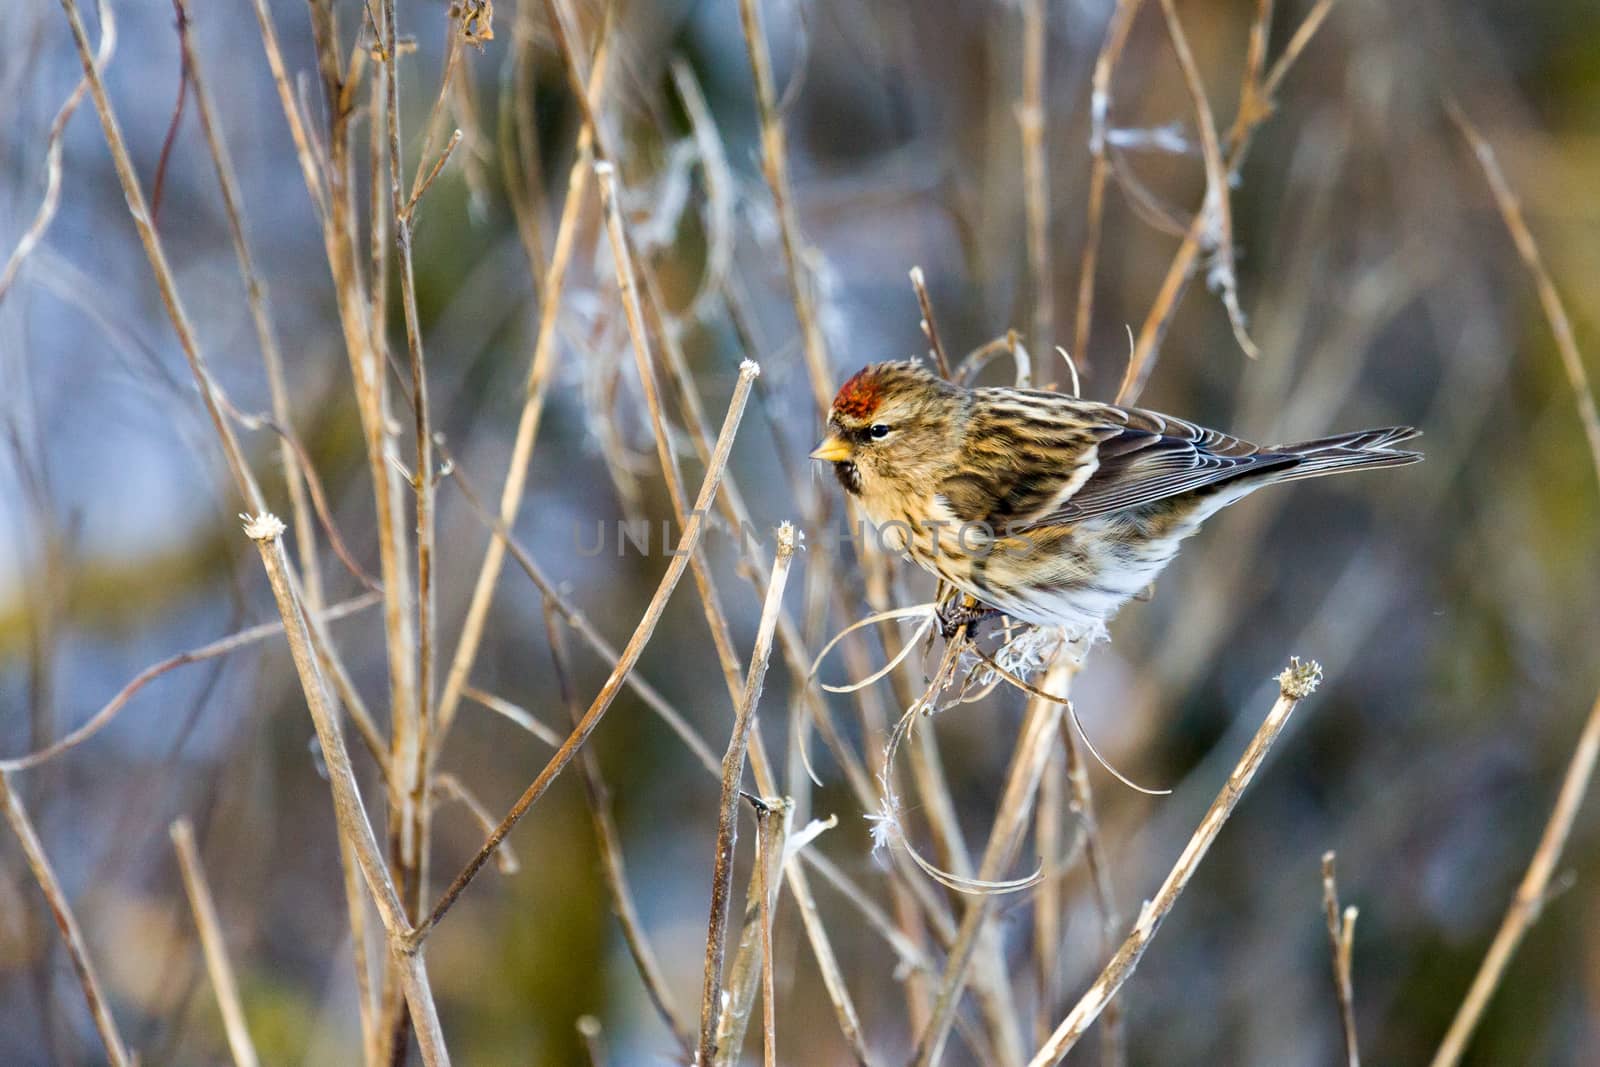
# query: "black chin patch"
{"type": "Point", "coordinates": [848, 477]}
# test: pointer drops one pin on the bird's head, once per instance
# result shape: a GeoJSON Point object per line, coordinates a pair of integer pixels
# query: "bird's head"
{"type": "Point", "coordinates": [891, 426]}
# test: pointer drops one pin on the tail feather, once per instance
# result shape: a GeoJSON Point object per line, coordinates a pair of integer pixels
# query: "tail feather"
{"type": "Point", "coordinates": [1361, 450]}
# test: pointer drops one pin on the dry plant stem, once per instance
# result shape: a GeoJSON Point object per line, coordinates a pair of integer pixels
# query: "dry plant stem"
{"type": "Point", "coordinates": [1534, 889]}
{"type": "Point", "coordinates": [212, 944]}
{"type": "Point", "coordinates": [363, 341]}
{"type": "Point", "coordinates": [644, 363]}
{"type": "Point", "coordinates": [266, 337]}
{"type": "Point", "coordinates": [775, 167]}
{"type": "Point", "coordinates": [1298, 681]}
{"type": "Point", "coordinates": [1047, 836]}
{"type": "Point", "coordinates": [610, 844]}
{"type": "Point", "coordinates": [154, 251]}
{"type": "Point", "coordinates": [410, 743]}
{"type": "Point", "coordinates": [54, 145]}
{"type": "Point", "coordinates": [929, 325]}
{"type": "Point", "coordinates": [1217, 238]}
{"type": "Point", "coordinates": [66, 922]}
{"type": "Point", "coordinates": [1032, 119]}
{"type": "Point", "coordinates": [539, 374]}
{"type": "Point", "coordinates": [1341, 931]}
{"type": "Point", "coordinates": [768, 843]}
{"type": "Point", "coordinates": [349, 813]}
{"type": "Point", "coordinates": [564, 24]}
{"type": "Point", "coordinates": [1555, 311]}
{"type": "Point", "coordinates": [1257, 104]}
{"type": "Point", "coordinates": [1028, 760]}
{"type": "Point", "coordinates": [625, 663]}
{"type": "Point", "coordinates": [732, 772]}
{"type": "Point", "coordinates": [102, 718]}
{"type": "Point", "coordinates": [593, 638]}
{"type": "Point", "coordinates": [1113, 1050]}
{"type": "Point", "coordinates": [1100, 121]}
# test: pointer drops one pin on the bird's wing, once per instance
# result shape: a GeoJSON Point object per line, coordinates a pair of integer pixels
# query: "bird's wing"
{"type": "Point", "coordinates": [1144, 457]}
{"type": "Point", "coordinates": [1039, 458]}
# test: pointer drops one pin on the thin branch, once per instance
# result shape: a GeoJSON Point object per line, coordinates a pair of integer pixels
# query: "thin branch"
{"type": "Point", "coordinates": [539, 375]}
{"type": "Point", "coordinates": [1113, 1050]}
{"type": "Point", "coordinates": [1217, 237]}
{"type": "Point", "coordinates": [212, 944]}
{"type": "Point", "coordinates": [54, 145]}
{"type": "Point", "coordinates": [771, 817]}
{"type": "Point", "coordinates": [609, 841]}
{"type": "Point", "coordinates": [1555, 310]}
{"type": "Point", "coordinates": [775, 167]}
{"type": "Point", "coordinates": [1032, 119]}
{"type": "Point", "coordinates": [1341, 936]}
{"type": "Point", "coordinates": [122, 162]}
{"type": "Point", "coordinates": [625, 663]}
{"type": "Point", "coordinates": [1028, 761]}
{"type": "Point", "coordinates": [732, 772]}
{"type": "Point", "coordinates": [1099, 127]}
{"type": "Point", "coordinates": [1256, 104]}
{"type": "Point", "coordinates": [580, 622]}
{"type": "Point", "coordinates": [1534, 889]}
{"type": "Point", "coordinates": [929, 326]}
{"type": "Point", "coordinates": [66, 922]}
{"type": "Point", "coordinates": [349, 813]}
{"type": "Point", "coordinates": [220, 647]}
{"type": "Point", "coordinates": [1298, 681]}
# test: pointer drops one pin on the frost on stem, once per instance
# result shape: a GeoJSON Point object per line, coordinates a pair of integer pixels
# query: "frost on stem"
{"type": "Point", "coordinates": [1299, 680]}
{"type": "Point", "coordinates": [263, 527]}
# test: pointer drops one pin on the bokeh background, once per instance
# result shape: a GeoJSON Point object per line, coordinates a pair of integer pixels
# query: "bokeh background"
{"type": "Point", "coordinates": [1453, 605]}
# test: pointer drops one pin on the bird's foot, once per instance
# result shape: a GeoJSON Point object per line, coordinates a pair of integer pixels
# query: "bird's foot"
{"type": "Point", "coordinates": [954, 614]}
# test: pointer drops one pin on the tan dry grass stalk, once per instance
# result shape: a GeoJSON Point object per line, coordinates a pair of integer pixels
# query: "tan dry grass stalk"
{"type": "Point", "coordinates": [212, 944]}
{"type": "Point", "coordinates": [1298, 681]}
{"type": "Point", "coordinates": [1534, 889]}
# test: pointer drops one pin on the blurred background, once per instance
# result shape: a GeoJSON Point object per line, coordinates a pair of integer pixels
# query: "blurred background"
{"type": "Point", "coordinates": [1453, 605]}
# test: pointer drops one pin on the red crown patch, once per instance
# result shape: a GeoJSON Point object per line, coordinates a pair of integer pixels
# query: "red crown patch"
{"type": "Point", "coordinates": [859, 397]}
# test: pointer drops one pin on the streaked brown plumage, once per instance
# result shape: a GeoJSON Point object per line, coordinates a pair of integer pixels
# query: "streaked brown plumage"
{"type": "Point", "coordinates": [1053, 510]}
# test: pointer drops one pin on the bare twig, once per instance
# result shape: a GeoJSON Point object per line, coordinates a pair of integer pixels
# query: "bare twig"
{"type": "Point", "coordinates": [66, 922]}
{"type": "Point", "coordinates": [775, 166]}
{"type": "Point", "coordinates": [625, 663]}
{"type": "Point", "coordinates": [770, 819]}
{"type": "Point", "coordinates": [1555, 311]}
{"type": "Point", "coordinates": [154, 251]}
{"type": "Point", "coordinates": [212, 944]}
{"type": "Point", "coordinates": [1032, 118]}
{"type": "Point", "coordinates": [295, 471]}
{"type": "Point", "coordinates": [610, 844]}
{"type": "Point", "coordinates": [1028, 761]}
{"type": "Point", "coordinates": [580, 622]}
{"type": "Point", "coordinates": [929, 326]}
{"type": "Point", "coordinates": [1341, 934]}
{"type": "Point", "coordinates": [1099, 126]}
{"type": "Point", "coordinates": [1256, 106]}
{"type": "Point", "coordinates": [54, 145]}
{"type": "Point", "coordinates": [221, 647]}
{"type": "Point", "coordinates": [732, 771]}
{"type": "Point", "coordinates": [1297, 682]}
{"type": "Point", "coordinates": [539, 374]}
{"type": "Point", "coordinates": [349, 813]}
{"type": "Point", "coordinates": [1112, 1046]}
{"type": "Point", "coordinates": [1534, 888]}
{"type": "Point", "coordinates": [1217, 237]}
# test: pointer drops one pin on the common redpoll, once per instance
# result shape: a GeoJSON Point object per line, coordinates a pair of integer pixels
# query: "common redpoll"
{"type": "Point", "coordinates": [1052, 510]}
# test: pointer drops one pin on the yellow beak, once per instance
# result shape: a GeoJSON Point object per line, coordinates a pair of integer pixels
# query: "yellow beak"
{"type": "Point", "coordinates": [832, 449]}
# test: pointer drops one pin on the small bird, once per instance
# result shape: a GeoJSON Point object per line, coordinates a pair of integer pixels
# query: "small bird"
{"type": "Point", "coordinates": [1046, 508]}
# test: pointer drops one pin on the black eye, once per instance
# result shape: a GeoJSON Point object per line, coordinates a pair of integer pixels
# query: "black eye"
{"type": "Point", "coordinates": [878, 430]}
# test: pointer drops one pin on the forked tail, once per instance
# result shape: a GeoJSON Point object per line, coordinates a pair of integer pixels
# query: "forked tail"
{"type": "Point", "coordinates": [1362, 450]}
